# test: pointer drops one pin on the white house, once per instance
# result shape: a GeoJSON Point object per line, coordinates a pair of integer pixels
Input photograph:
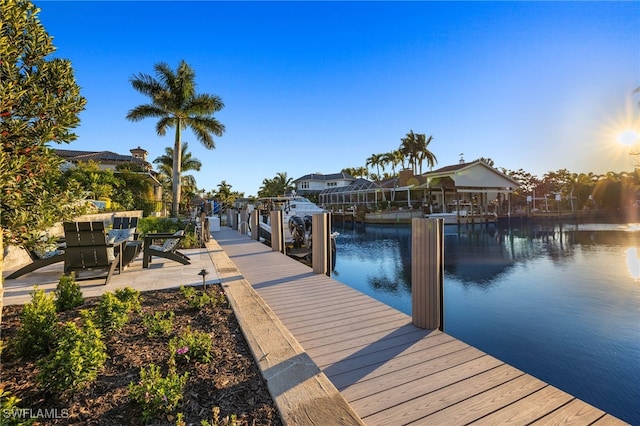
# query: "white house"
{"type": "Point", "coordinates": [314, 183]}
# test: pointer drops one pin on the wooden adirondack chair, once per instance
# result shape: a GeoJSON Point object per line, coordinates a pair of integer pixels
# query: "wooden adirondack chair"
{"type": "Point", "coordinates": [168, 249]}
{"type": "Point", "coordinates": [125, 227]}
{"type": "Point", "coordinates": [88, 250]}
{"type": "Point", "coordinates": [38, 260]}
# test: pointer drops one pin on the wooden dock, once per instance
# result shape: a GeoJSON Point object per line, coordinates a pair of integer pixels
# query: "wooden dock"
{"type": "Point", "coordinates": [389, 371]}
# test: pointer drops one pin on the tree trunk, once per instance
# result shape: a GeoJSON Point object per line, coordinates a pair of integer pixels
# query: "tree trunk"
{"type": "Point", "coordinates": [1, 271]}
{"type": "Point", "coordinates": [177, 160]}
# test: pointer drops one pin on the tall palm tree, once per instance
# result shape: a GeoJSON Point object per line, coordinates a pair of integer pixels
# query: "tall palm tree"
{"type": "Point", "coordinates": [188, 162]}
{"type": "Point", "coordinates": [376, 161]}
{"type": "Point", "coordinates": [422, 145]}
{"type": "Point", "coordinates": [176, 104]}
{"type": "Point", "coordinates": [410, 149]}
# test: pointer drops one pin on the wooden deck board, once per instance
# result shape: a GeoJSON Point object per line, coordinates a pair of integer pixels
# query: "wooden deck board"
{"type": "Point", "coordinates": [390, 371]}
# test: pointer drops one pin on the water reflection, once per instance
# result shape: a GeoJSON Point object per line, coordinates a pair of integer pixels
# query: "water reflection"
{"type": "Point", "coordinates": [559, 302]}
{"type": "Point", "coordinates": [633, 263]}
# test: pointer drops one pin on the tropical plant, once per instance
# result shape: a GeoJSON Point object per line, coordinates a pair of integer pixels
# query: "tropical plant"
{"type": "Point", "coordinates": [39, 103]}
{"type": "Point", "coordinates": [414, 147]}
{"type": "Point", "coordinates": [376, 160]}
{"type": "Point", "coordinates": [165, 167]}
{"type": "Point", "coordinates": [278, 186]}
{"type": "Point", "coordinates": [423, 152]}
{"type": "Point", "coordinates": [176, 104]}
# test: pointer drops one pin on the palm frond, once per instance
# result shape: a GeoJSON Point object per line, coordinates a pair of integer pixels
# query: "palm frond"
{"type": "Point", "coordinates": [164, 123]}
{"type": "Point", "coordinates": [145, 111]}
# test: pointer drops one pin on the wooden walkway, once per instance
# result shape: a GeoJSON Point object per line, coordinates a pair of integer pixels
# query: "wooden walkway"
{"type": "Point", "coordinates": [389, 371]}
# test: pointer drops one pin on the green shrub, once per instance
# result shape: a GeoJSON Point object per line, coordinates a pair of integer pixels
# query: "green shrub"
{"type": "Point", "coordinates": [158, 323]}
{"type": "Point", "coordinates": [191, 345]}
{"type": "Point", "coordinates": [10, 413]}
{"type": "Point", "coordinates": [153, 225]}
{"type": "Point", "coordinates": [195, 298]}
{"type": "Point", "coordinates": [156, 394]}
{"type": "Point", "coordinates": [111, 314]}
{"type": "Point", "coordinates": [130, 297]}
{"type": "Point", "coordinates": [68, 293]}
{"type": "Point", "coordinates": [37, 325]}
{"type": "Point", "coordinates": [79, 355]}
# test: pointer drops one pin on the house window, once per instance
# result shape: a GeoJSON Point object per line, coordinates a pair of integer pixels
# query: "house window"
{"type": "Point", "coordinates": [304, 185]}
{"type": "Point", "coordinates": [330, 184]}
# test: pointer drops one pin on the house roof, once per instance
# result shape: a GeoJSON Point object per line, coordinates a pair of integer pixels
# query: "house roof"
{"type": "Point", "coordinates": [322, 177]}
{"type": "Point", "coordinates": [104, 157]}
{"type": "Point", "coordinates": [457, 169]}
{"type": "Point", "coordinates": [357, 185]}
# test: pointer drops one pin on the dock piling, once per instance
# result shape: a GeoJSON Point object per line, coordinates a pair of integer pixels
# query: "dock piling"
{"type": "Point", "coordinates": [427, 273]}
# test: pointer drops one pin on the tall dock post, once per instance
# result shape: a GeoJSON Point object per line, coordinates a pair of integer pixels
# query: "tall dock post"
{"type": "Point", "coordinates": [243, 227]}
{"type": "Point", "coordinates": [321, 243]}
{"type": "Point", "coordinates": [254, 224]}
{"type": "Point", "coordinates": [277, 231]}
{"type": "Point", "coordinates": [427, 273]}
{"type": "Point", "coordinates": [233, 219]}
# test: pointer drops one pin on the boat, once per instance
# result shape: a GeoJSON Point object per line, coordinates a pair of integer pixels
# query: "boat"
{"type": "Point", "coordinates": [297, 214]}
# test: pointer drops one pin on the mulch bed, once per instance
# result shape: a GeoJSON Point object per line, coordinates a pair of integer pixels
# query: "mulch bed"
{"type": "Point", "coordinates": [231, 381]}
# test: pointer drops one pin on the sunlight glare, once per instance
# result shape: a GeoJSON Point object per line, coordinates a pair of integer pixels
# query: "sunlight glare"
{"type": "Point", "coordinates": [629, 137]}
{"type": "Point", "coordinates": [633, 263]}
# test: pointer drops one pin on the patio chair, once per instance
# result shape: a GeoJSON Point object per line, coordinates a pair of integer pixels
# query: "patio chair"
{"type": "Point", "coordinates": [124, 228]}
{"type": "Point", "coordinates": [38, 260]}
{"type": "Point", "coordinates": [125, 222]}
{"type": "Point", "coordinates": [167, 250]}
{"type": "Point", "coordinates": [88, 250]}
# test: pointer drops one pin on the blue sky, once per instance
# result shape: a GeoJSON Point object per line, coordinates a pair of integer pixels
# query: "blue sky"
{"type": "Point", "coordinates": [319, 86]}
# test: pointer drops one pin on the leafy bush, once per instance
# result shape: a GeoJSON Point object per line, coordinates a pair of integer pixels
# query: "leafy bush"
{"type": "Point", "coordinates": [158, 323]}
{"type": "Point", "coordinates": [10, 413]}
{"type": "Point", "coordinates": [79, 354]}
{"type": "Point", "coordinates": [68, 293]}
{"type": "Point", "coordinates": [157, 394]}
{"type": "Point", "coordinates": [111, 314]}
{"type": "Point", "coordinates": [38, 322]}
{"type": "Point", "coordinates": [130, 297]}
{"type": "Point", "coordinates": [191, 345]}
{"type": "Point", "coordinates": [152, 225]}
{"type": "Point", "coordinates": [197, 299]}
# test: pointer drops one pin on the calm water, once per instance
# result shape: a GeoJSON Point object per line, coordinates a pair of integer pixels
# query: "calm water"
{"type": "Point", "coordinates": [560, 303]}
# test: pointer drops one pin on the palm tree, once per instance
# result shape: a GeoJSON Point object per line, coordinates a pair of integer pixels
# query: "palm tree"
{"type": "Point", "coordinates": [410, 149]}
{"type": "Point", "coordinates": [277, 186]}
{"type": "Point", "coordinates": [188, 162]}
{"type": "Point", "coordinates": [176, 104]}
{"type": "Point", "coordinates": [376, 161]}
{"type": "Point", "coordinates": [422, 145]}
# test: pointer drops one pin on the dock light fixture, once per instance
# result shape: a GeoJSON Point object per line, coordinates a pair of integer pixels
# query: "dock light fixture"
{"type": "Point", "coordinates": [204, 273]}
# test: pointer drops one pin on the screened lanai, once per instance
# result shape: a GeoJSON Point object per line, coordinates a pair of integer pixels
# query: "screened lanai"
{"type": "Point", "coordinates": [363, 193]}
{"type": "Point", "coordinates": [359, 192]}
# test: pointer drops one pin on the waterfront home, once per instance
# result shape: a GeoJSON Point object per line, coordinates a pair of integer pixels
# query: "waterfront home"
{"type": "Point", "coordinates": [476, 185]}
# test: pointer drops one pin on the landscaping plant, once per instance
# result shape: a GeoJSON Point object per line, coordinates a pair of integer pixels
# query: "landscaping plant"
{"type": "Point", "coordinates": [156, 394]}
{"type": "Point", "coordinates": [111, 314]}
{"type": "Point", "coordinates": [191, 345]}
{"type": "Point", "coordinates": [129, 296]}
{"type": "Point", "coordinates": [38, 321]}
{"type": "Point", "coordinates": [79, 355]}
{"type": "Point", "coordinates": [158, 323]}
{"type": "Point", "coordinates": [68, 293]}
